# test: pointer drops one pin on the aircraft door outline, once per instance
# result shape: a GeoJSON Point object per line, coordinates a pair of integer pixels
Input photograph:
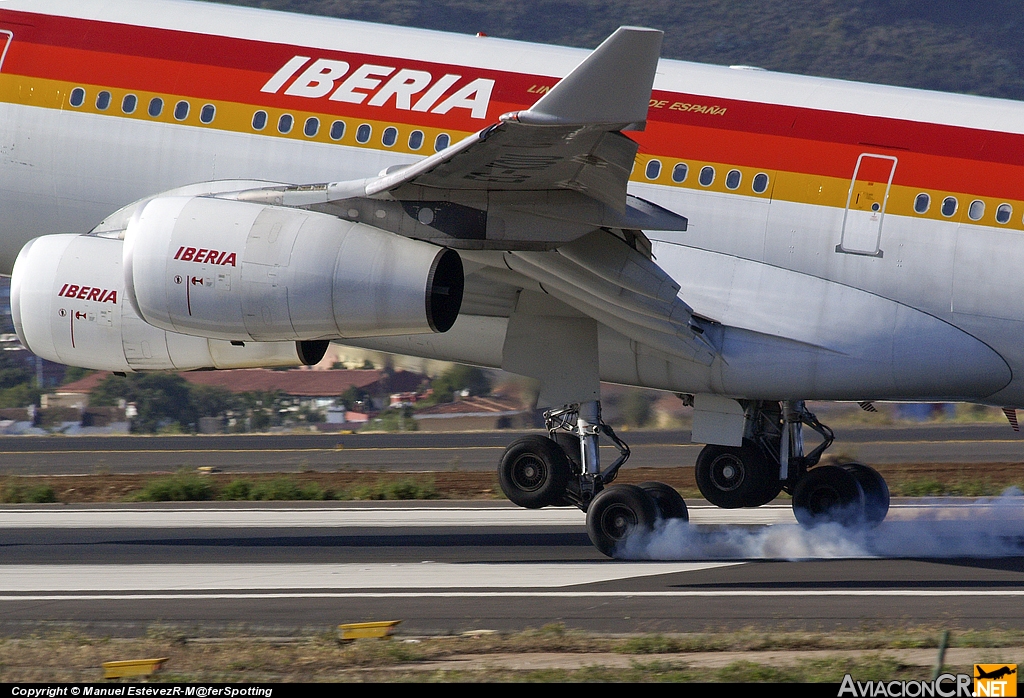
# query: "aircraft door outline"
{"type": "Point", "coordinates": [866, 204]}
{"type": "Point", "coordinates": [6, 38]}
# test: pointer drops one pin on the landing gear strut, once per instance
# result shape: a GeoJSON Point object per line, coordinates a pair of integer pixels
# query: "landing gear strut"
{"type": "Point", "coordinates": [564, 468]}
{"type": "Point", "coordinates": [772, 459]}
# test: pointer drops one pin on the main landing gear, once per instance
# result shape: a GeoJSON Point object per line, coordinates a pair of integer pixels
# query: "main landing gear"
{"type": "Point", "coordinates": [772, 459]}
{"type": "Point", "coordinates": [564, 469]}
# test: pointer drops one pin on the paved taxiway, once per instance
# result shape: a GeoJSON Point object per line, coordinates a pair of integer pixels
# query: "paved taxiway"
{"type": "Point", "coordinates": [481, 451]}
{"type": "Point", "coordinates": [444, 566]}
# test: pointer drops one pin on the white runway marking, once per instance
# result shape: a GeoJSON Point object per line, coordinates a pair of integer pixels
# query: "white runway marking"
{"type": "Point", "coordinates": [423, 575]}
{"type": "Point", "coordinates": [193, 516]}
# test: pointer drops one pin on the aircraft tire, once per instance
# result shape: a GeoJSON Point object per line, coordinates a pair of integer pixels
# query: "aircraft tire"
{"type": "Point", "coordinates": [732, 477]}
{"type": "Point", "coordinates": [617, 513]}
{"type": "Point", "coordinates": [827, 494]}
{"type": "Point", "coordinates": [876, 492]}
{"type": "Point", "coordinates": [534, 472]}
{"type": "Point", "coordinates": [667, 500]}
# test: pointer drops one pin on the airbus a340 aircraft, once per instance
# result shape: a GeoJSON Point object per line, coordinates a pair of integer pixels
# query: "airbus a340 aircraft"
{"type": "Point", "coordinates": [194, 186]}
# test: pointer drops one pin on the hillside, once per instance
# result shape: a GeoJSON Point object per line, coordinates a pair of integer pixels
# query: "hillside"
{"type": "Point", "coordinates": [953, 45]}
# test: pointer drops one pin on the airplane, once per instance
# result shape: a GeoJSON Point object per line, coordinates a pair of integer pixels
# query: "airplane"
{"type": "Point", "coordinates": [192, 186]}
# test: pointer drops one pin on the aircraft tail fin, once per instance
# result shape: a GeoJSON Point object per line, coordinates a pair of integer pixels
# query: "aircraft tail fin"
{"type": "Point", "coordinates": [611, 86]}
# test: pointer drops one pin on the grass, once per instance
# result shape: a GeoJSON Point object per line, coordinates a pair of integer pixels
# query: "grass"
{"type": "Point", "coordinates": [72, 656]}
{"type": "Point", "coordinates": [22, 491]}
{"type": "Point", "coordinates": [187, 486]}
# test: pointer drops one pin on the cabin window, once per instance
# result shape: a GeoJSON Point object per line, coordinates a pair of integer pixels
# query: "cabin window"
{"type": "Point", "coordinates": [441, 142]}
{"type": "Point", "coordinates": [707, 176]}
{"type": "Point", "coordinates": [363, 133]}
{"type": "Point", "coordinates": [653, 169]}
{"type": "Point", "coordinates": [679, 172]}
{"type": "Point", "coordinates": [416, 140]}
{"type": "Point", "coordinates": [337, 130]}
{"type": "Point", "coordinates": [390, 136]}
{"type": "Point", "coordinates": [156, 107]}
{"type": "Point", "coordinates": [207, 113]}
{"type": "Point", "coordinates": [103, 100]}
{"type": "Point", "coordinates": [311, 127]}
{"type": "Point", "coordinates": [733, 179]}
{"type": "Point", "coordinates": [77, 97]}
{"type": "Point", "coordinates": [949, 206]}
{"type": "Point", "coordinates": [181, 110]}
{"type": "Point", "coordinates": [1003, 213]}
{"type": "Point", "coordinates": [976, 210]}
{"type": "Point", "coordinates": [129, 103]}
{"type": "Point", "coordinates": [760, 183]}
{"type": "Point", "coordinates": [259, 120]}
{"type": "Point", "coordinates": [285, 123]}
{"type": "Point", "coordinates": [922, 203]}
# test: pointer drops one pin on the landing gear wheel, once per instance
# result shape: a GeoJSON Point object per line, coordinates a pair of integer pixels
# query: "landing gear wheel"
{"type": "Point", "coordinates": [731, 477]}
{"type": "Point", "coordinates": [876, 492]}
{"type": "Point", "coordinates": [534, 472]}
{"type": "Point", "coordinates": [828, 493]}
{"type": "Point", "coordinates": [667, 500]}
{"type": "Point", "coordinates": [618, 512]}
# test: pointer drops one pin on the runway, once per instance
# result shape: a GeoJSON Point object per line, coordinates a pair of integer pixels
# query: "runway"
{"type": "Point", "coordinates": [453, 567]}
{"type": "Point", "coordinates": [479, 451]}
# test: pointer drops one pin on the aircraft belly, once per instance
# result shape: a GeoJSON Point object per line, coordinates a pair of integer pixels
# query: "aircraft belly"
{"type": "Point", "coordinates": [790, 335]}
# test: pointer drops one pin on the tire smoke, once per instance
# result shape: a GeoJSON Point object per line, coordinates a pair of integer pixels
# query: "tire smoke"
{"type": "Point", "coordinates": [933, 528]}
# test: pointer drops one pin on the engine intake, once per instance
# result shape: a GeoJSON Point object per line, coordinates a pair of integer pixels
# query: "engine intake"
{"type": "Point", "coordinates": [241, 271]}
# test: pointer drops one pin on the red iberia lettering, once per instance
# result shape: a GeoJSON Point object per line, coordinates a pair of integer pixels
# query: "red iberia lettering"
{"type": "Point", "coordinates": [88, 293]}
{"type": "Point", "coordinates": [409, 89]}
{"type": "Point", "coordinates": [205, 256]}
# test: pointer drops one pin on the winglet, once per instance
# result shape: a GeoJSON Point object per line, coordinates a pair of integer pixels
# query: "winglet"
{"type": "Point", "coordinates": [611, 86]}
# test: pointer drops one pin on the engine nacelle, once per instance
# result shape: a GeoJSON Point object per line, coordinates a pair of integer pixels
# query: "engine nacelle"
{"type": "Point", "coordinates": [69, 306]}
{"type": "Point", "coordinates": [241, 271]}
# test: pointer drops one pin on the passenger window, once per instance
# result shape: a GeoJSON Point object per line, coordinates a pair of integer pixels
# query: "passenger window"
{"type": "Point", "coordinates": [77, 97]}
{"type": "Point", "coordinates": [415, 140]}
{"type": "Point", "coordinates": [949, 206]}
{"type": "Point", "coordinates": [760, 183]}
{"type": "Point", "coordinates": [976, 210]}
{"type": "Point", "coordinates": [679, 172]}
{"type": "Point", "coordinates": [922, 203]}
{"type": "Point", "coordinates": [207, 113]}
{"type": "Point", "coordinates": [103, 100]}
{"type": "Point", "coordinates": [441, 142]}
{"type": "Point", "coordinates": [337, 130]}
{"type": "Point", "coordinates": [390, 136]}
{"type": "Point", "coordinates": [259, 120]}
{"type": "Point", "coordinates": [707, 176]}
{"type": "Point", "coordinates": [733, 179]}
{"type": "Point", "coordinates": [363, 133]}
{"type": "Point", "coordinates": [129, 103]}
{"type": "Point", "coordinates": [653, 169]}
{"type": "Point", "coordinates": [284, 124]}
{"type": "Point", "coordinates": [156, 107]}
{"type": "Point", "coordinates": [1003, 213]}
{"type": "Point", "coordinates": [312, 127]}
{"type": "Point", "coordinates": [181, 110]}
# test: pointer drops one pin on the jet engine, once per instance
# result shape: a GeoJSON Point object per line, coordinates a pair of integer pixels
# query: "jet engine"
{"type": "Point", "coordinates": [241, 271]}
{"type": "Point", "coordinates": [69, 306]}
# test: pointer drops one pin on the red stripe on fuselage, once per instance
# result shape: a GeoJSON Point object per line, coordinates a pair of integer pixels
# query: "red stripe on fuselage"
{"type": "Point", "coordinates": [773, 137]}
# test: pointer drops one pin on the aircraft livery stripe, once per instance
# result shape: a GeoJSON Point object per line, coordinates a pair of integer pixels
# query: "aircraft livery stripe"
{"type": "Point", "coordinates": [229, 68]}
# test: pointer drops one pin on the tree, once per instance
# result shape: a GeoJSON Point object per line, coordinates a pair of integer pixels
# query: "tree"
{"type": "Point", "coordinates": [460, 377]}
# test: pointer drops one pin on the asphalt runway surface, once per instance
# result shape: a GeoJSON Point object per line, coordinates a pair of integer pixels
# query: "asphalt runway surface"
{"type": "Point", "coordinates": [419, 451]}
{"type": "Point", "coordinates": [441, 567]}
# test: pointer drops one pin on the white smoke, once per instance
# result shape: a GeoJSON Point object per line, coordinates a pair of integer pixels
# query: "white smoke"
{"type": "Point", "coordinates": [935, 528]}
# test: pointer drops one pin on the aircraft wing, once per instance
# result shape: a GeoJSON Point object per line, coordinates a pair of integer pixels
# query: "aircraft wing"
{"type": "Point", "coordinates": [545, 189]}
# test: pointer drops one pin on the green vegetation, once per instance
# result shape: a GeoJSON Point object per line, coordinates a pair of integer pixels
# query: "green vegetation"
{"type": "Point", "coordinates": [17, 381]}
{"type": "Point", "coordinates": [189, 486]}
{"type": "Point", "coordinates": [953, 45]}
{"type": "Point", "coordinates": [18, 491]}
